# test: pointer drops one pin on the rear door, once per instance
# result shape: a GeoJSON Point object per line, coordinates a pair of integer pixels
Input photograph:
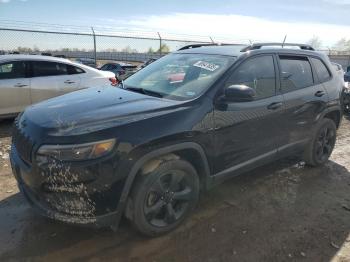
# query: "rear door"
{"type": "Point", "coordinates": [304, 99]}
{"type": "Point", "coordinates": [248, 132]}
{"type": "Point", "coordinates": [51, 79]}
{"type": "Point", "coordinates": [14, 87]}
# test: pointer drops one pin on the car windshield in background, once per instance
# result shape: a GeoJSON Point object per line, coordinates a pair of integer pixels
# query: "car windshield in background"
{"type": "Point", "coordinates": [180, 76]}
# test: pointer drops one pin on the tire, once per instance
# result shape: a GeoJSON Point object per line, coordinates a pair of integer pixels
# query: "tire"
{"type": "Point", "coordinates": [163, 198]}
{"type": "Point", "coordinates": [346, 103]}
{"type": "Point", "coordinates": [322, 144]}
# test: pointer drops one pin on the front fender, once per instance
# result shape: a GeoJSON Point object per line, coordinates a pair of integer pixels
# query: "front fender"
{"type": "Point", "coordinates": [140, 162]}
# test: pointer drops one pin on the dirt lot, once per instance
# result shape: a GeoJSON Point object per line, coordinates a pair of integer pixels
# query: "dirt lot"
{"type": "Point", "coordinates": [281, 212]}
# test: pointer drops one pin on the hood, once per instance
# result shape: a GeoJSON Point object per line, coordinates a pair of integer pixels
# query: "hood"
{"type": "Point", "coordinates": [94, 109]}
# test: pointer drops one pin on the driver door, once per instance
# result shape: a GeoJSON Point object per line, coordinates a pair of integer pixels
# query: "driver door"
{"type": "Point", "coordinates": [248, 133]}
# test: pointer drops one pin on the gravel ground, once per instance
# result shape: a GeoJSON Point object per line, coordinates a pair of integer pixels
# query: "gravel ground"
{"type": "Point", "coordinates": [281, 212]}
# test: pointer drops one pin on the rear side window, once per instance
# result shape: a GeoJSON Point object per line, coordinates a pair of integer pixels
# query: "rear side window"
{"type": "Point", "coordinates": [44, 68]}
{"type": "Point", "coordinates": [321, 70]}
{"type": "Point", "coordinates": [257, 73]}
{"type": "Point", "coordinates": [105, 67]}
{"type": "Point", "coordinates": [73, 70]}
{"type": "Point", "coordinates": [11, 70]}
{"type": "Point", "coordinates": [296, 73]}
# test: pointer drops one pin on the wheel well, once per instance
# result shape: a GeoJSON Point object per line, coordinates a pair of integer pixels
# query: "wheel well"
{"type": "Point", "coordinates": [335, 116]}
{"type": "Point", "coordinates": [190, 155]}
{"type": "Point", "coordinates": [194, 158]}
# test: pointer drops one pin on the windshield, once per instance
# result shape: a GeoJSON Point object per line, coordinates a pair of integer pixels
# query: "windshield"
{"type": "Point", "coordinates": [180, 76]}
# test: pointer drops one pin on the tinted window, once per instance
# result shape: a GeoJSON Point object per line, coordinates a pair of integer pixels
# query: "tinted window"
{"type": "Point", "coordinates": [73, 70]}
{"type": "Point", "coordinates": [43, 68]}
{"type": "Point", "coordinates": [257, 73]}
{"type": "Point", "coordinates": [321, 70]}
{"type": "Point", "coordinates": [105, 67]}
{"type": "Point", "coordinates": [12, 70]}
{"type": "Point", "coordinates": [295, 73]}
{"type": "Point", "coordinates": [114, 67]}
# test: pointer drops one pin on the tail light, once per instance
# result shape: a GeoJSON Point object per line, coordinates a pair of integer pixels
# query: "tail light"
{"type": "Point", "coordinates": [114, 81]}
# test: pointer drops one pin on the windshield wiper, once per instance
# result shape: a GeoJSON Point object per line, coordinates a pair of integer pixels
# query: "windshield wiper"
{"type": "Point", "coordinates": [145, 91]}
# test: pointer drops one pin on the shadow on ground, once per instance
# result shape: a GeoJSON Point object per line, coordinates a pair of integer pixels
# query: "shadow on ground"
{"type": "Point", "coordinates": [6, 127]}
{"type": "Point", "coordinates": [281, 212]}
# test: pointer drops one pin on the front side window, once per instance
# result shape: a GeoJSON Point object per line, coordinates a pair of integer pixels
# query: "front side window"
{"type": "Point", "coordinates": [321, 70]}
{"type": "Point", "coordinates": [296, 73]}
{"type": "Point", "coordinates": [44, 68]}
{"type": "Point", "coordinates": [257, 73]}
{"type": "Point", "coordinates": [11, 70]}
{"type": "Point", "coordinates": [180, 76]}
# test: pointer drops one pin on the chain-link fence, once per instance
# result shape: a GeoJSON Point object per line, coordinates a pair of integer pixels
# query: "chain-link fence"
{"type": "Point", "coordinates": [104, 44]}
{"type": "Point", "coordinates": [119, 46]}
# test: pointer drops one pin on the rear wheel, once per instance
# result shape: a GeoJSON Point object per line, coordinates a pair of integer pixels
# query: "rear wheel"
{"type": "Point", "coordinates": [163, 198]}
{"type": "Point", "coordinates": [321, 146]}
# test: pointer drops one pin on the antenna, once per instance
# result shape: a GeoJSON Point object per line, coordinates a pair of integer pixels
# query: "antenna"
{"type": "Point", "coordinates": [284, 40]}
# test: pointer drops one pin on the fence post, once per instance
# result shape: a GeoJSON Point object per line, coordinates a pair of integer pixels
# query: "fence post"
{"type": "Point", "coordinates": [94, 37]}
{"type": "Point", "coordinates": [160, 44]}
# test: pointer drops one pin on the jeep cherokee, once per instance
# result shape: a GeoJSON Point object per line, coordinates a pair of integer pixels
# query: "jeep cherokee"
{"type": "Point", "coordinates": [146, 149]}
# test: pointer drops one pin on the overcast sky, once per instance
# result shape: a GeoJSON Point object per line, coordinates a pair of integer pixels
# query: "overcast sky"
{"type": "Point", "coordinates": [266, 20]}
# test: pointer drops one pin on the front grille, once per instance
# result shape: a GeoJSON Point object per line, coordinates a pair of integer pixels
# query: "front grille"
{"type": "Point", "coordinates": [22, 142]}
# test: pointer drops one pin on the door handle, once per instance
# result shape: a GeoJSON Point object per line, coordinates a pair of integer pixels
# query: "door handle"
{"type": "Point", "coordinates": [275, 105]}
{"type": "Point", "coordinates": [320, 93]}
{"type": "Point", "coordinates": [69, 82]}
{"type": "Point", "coordinates": [20, 85]}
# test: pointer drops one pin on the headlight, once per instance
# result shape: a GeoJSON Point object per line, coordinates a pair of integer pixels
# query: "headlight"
{"type": "Point", "coordinates": [76, 152]}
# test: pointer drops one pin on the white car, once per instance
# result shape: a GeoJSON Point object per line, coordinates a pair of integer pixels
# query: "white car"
{"type": "Point", "coordinates": [28, 79]}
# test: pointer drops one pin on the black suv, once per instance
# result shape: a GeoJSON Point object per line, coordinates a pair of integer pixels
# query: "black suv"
{"type": "Point", "coordinates": [180, 125]}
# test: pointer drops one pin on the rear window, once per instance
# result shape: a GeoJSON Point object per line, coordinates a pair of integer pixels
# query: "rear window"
{"type": "Point", "coordinates": [296, 73]}
{"type": "Point", "coordinates": [321, 70]}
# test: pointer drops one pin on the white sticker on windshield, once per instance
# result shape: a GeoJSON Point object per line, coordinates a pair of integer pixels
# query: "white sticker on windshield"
{"type": "Point", "coordinates": [206, 66]}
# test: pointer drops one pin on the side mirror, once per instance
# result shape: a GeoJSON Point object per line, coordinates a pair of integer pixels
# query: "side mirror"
{"type": "Point", "coordinates": [239, 93]}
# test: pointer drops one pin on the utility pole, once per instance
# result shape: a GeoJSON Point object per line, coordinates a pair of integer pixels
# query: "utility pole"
{"type": "Point", "coordinates": [160, 44]}
{"type": "Point", "coordinates": [94, 36]}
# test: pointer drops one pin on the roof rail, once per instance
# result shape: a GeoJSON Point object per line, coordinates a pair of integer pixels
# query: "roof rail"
{"type": "Point", "coordinates": [260, 45]}
{"type": "Point", "coordinates": [200, 45]}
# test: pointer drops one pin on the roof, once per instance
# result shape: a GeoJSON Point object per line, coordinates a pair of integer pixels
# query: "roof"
{"type": "Point", "coordinates": [33, 58]}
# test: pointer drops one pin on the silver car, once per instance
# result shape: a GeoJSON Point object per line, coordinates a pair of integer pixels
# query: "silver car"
{"type": "Point", "coordinates": [28, 79]}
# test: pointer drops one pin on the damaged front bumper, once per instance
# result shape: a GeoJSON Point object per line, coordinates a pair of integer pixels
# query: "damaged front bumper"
{"type": "Point", "coordinates": [67, 194]}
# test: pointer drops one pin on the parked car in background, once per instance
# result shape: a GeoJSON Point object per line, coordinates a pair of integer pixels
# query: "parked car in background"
{"type": "Point", "coordinates": [347, 76]}
{"type": "Point", "coordinates": [147, 149]}
{"type": "Point", "coordinates": [121, 70]}
{"type": "Point", "coordinates": [46, 54]}
{"type": "Point", "coordinates": [28, 79]}
{"type": "Point", "coordinates": [148, 62]}
{"type": "Point", "coordinates": [60, 56]}
{"type": "Point", "coordinates": [346, 99]}
{"type": "Point", "coordinates": [86, 61]}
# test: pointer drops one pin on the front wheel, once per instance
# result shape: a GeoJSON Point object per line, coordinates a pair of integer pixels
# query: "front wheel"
{"type": "Point", "coordinates": [163, 198]}
{"type": "Point", "coordinates": [322, 144]}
